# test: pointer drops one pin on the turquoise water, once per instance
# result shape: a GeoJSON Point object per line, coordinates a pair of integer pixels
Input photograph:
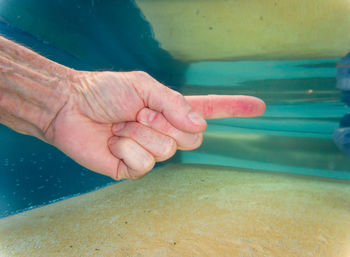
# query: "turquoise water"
{"type": "Point", "coordinates": [295, 133]}
{"type": "Point", "coordinates": [293, 136]}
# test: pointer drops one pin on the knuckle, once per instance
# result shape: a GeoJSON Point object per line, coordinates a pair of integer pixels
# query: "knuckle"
{"type": "Point", "coordinates": [178, 98]}
{"type": "Point", "coordinates": [165, 127]}
{"type": "Point", "coordinates": [135, 132]}
{"type": "Point", "coordinates": [141, 74]}
{"type": "Point", "coordinates": [136, 174]}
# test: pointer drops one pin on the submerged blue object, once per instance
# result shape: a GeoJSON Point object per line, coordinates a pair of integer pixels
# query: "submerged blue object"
{"type": "Point", "coordinates": [345, 121]}
{"type": "Point", "coordinates": [341, 136]}
{"type": "Point", "coordinates": [343, 78]}
{"type": "Point", "coordinates": [343, 73]}
{"type": "Point", "coordinates": [345, 97]}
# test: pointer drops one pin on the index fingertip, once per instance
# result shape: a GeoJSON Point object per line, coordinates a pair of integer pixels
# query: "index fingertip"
{"type": "Point", "coordinates": [259, 107]}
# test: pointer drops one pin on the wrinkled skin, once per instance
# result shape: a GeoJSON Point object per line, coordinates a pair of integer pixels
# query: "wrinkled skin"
{"type": "Point", "coordinates": [120, 124]}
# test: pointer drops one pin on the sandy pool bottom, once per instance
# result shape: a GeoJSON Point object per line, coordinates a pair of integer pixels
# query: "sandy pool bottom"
{"type": "Point", "coordinates": [188, 210]}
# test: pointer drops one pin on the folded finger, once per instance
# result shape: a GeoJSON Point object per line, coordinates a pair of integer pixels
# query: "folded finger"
{"type": "Point", "coordinates": [162, 147]}
{"type": "Point", "coordinates": [156, 120]}
{"type": "Point", "coordinates": [169, 102]}
{"type": "Point", "coordinates": [137, 160]}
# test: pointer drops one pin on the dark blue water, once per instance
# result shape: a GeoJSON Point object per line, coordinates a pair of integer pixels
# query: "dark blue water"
{"type": "Point", "coordinates": [32, 172]}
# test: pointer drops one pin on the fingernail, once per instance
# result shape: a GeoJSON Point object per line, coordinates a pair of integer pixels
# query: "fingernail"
{"type": "Point", "coordinates": [196, 118]}
{"type": "Point", "coordinates": [118, 127]}
{"type": "Point", "coordinates": [112, 141]}
{"type": "Point", "coordinates": [147, 117]}
{"type": "Point", "coordinates": [151, 116]}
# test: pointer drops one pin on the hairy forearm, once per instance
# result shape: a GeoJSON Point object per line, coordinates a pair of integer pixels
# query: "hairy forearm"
{"type": "Point", "coordinates": [32, 89]}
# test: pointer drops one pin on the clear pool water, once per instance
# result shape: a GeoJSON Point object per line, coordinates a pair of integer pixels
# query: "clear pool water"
{"type": "Point", "coordinates": [293, 136]}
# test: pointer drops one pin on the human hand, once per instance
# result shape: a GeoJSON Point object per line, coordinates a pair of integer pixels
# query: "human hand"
{"type": "Point", "coordinates": [120, 123]}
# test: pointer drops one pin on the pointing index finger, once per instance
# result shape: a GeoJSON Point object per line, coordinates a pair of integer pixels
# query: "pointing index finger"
{"type": "Point", "coordinates": [225, 106]}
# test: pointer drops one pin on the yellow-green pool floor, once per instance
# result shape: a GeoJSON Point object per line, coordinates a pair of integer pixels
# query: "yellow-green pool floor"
{"type": "Point", "coordinates": [188, 210]}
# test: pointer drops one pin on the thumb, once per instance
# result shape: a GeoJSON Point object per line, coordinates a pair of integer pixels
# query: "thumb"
{"type": "Point", "coordinates": [171, 104]}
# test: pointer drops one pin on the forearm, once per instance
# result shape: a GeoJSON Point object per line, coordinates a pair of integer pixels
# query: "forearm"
{"type": "Point", "coordinates": [32, 89]}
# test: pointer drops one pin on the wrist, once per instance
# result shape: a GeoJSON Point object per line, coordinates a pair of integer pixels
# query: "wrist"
{"type": "Point", "coordinates": [33, 89]}
{"type": "Point", "coordinates": [55, 97]}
